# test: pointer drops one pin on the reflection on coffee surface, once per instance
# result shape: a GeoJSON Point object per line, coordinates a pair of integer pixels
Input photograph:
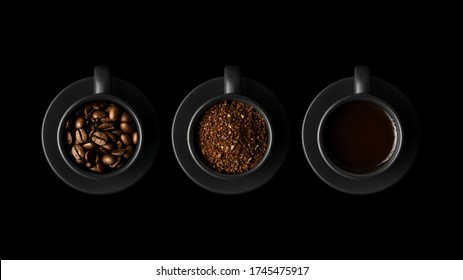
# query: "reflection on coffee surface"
{"type": "Point", "coordinates": [101, 136]}
{"type": "Point", "coordinates": [232, 137]}
{"type": "Point", "coordinates": [359, 136]}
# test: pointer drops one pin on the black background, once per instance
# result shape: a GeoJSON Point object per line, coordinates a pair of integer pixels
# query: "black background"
{"type": "Point", "coordinates": [295, 216]}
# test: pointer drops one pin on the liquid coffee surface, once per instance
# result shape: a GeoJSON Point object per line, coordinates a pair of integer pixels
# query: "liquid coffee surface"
{"type": "Point", "coordinates": [359, 136]}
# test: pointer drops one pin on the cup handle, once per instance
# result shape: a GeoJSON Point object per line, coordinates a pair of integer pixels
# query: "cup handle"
{"type": "Point", "coordinates": [102, 79]}
{"type": "Point", "coordinates": [362, 80]}
{"type": "Point", "coordinates": [232, 79]}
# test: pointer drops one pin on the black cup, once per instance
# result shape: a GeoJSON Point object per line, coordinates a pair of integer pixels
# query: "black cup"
{"type": "Point", "coordinates": [365, 118]}
{"type": "Point", "coordinates": [102, 92]}
{"type": "Point", "coordinates": [229, 87]}
{"type": "Point", "coordinates": [232, 92]}
{"type": "Point", "coordinates": [360, 134]}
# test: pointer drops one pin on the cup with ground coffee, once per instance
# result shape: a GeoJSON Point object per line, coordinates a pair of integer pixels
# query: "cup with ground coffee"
{"type": "Point", "coordinates": [100, 135]}
{"type": "Point", "coordinates": [230, 135]}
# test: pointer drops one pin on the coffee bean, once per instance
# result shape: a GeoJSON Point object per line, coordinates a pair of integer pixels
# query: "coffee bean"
{"type": "Point", "coordinates": [80, 122]}
{"type": "Point", "coordinates": [118, 152]}
{"type": "Point", "coordinates": [108, 159]}
{"type": "Point", "coordinates": [88, 110]}
{"type": "Point", "coordinates": [107, 126]}
{"type": "Point", "coordinates": [99, 167]}
{"type": "Point", "coordinates": [81, 136]}
{"type": "Point", "coordinates": [78, 152]}
{"type": "Point", "coordinates": [118, 132]}
{"type": "Point", "coordinates": [105, 120]}
{"type": "Point", "coordinates": [103, 150]}
{"type": "Point", "coordinates": [114, 112]}
{"type": "Point", "coordinates": [89, 146]}
{"type": "Point", "coordinates": [99, 114]}
{"type": "Point", "coordinates": [109, 146]}
{"type": "Point", "coordinates": [125, 117]}
{"type": "Point", "coordinates": [119, 144]}
{"type": "Point", "coordinates": [111, 136]}
{"type": "Point", "coordinates": [127, 127]}
{"type": "Point", "coordinates": [118, 161]}
{"type": "Point", "coordinates": [69, 138]}
{"type": "Point", "coordinates": [99, 105]}
{"type": "Point", "coordinates": [129, 150]}
{"type": "Point", "coordinates": [135, 138]}
{"type": "Point", "coordinates": [90, 156]}
{"type": "Point", "coordinates": [80, 161]}
{"type": "Point", "coordinates": [70, 124]}
{"type": "Point", "coordinates": [99, 138]}
{"type": "Point", "coordinates": [126, 139]}
{"type": "Point", "coordinates": [88, 165]}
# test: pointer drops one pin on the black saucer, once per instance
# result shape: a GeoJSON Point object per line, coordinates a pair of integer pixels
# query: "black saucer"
{"type": "Point", "coordinates": [67, 98]}
{"type": "Point", "coordinates": [410, 126]}
{"type": "Point", "coordinates": [238, 184]}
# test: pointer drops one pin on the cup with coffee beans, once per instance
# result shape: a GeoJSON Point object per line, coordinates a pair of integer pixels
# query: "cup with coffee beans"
{"type": "Point", "coordinates": [100, 135]}
{"type": "Point", "coordinates": [230, 135]}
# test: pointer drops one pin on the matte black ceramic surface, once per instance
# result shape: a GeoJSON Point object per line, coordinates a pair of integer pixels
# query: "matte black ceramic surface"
{"type": "Point", "coordinates": [231, 184]}
{"type": "Point", "coordinates": [100, 184]}
{"type": "Point", "coordinates": [370, 184]}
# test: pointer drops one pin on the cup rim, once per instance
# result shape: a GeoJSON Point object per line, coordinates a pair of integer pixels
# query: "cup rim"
{"type": "Point", "coordinates": [62, 145]}
{"type": "Point", "coordinates": [384, 166]}
{"type": "Point", "coordinates": [199, 112]}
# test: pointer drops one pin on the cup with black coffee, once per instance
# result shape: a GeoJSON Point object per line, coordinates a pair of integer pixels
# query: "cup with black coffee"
{"type": "Point", "coordinates": [100, 135]}
{"type": "Point", "coordinates": [360, 135]}
{"type": "Point", "coordinates": [230, 135]}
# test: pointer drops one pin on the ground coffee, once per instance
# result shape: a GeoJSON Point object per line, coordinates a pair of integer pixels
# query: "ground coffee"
{"type": "Point", "coordinates": [232, 137]}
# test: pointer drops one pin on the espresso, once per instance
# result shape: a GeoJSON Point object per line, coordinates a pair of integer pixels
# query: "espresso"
{"type": "Point", "coordinates": [359, 136]}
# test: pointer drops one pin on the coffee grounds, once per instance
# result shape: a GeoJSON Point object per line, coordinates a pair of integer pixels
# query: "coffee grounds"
{"type": "Point", "coordinates": [232, 137]}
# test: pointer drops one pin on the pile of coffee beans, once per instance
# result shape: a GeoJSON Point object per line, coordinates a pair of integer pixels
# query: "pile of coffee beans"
{"type": "Point", "coordinates": [101, 136]}
{"type": "Point", "coordinates": [232, 137]}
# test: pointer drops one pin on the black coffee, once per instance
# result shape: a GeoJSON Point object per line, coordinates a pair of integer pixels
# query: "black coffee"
{"type": "Point", "coordinates": [359, 136]}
